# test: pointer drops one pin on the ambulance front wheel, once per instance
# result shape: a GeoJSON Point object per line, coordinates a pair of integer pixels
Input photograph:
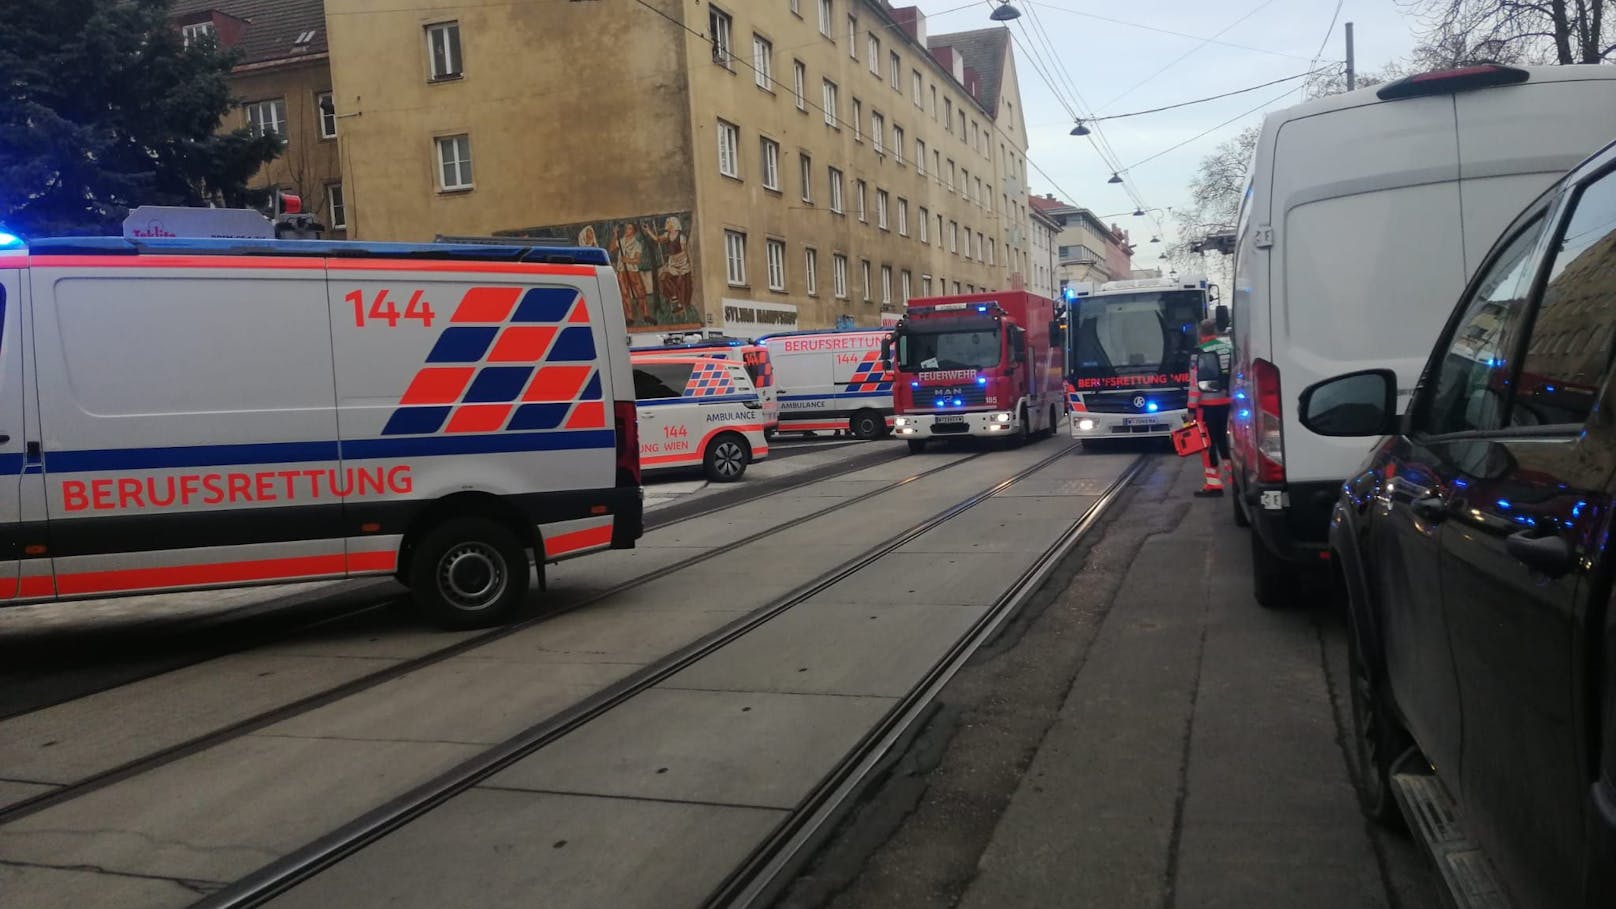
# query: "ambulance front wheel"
{"type": "Point", "coordinates": [726, 458]}
{"type": "Point", "coordinates": [469, 573]}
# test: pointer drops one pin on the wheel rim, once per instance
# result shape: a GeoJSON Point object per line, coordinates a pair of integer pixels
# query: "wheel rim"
{"type": "Point", "coordinates": [728, 459]}
{"type": "Point", "coordinates": [866, 427]}
{"type": "Point", "coordinates": [472, 576]}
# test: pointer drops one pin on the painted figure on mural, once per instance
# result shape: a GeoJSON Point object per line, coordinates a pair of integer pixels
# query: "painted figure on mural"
{"type": "Point", "coordinates": [675, 277]}
{"type": "Point", "coordinates": [633, 275]}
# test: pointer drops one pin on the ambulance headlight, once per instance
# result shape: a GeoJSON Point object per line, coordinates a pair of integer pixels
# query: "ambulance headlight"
{"type": "Point", "coordinates": [1085, 424]}
{"type": "Point", "coordinates": [1002, 417]}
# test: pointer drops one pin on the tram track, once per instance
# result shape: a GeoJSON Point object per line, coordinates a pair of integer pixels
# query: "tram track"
{"type": "Point", "coordinates": [213, 738]}
{"type": "Point", "coordinates": [792, 841]}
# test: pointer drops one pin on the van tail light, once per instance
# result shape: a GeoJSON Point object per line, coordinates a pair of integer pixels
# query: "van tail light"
{"type": "Point", "coordinates": [1266, 422]}
{"type": "Point", "coordinates": [628, 443]}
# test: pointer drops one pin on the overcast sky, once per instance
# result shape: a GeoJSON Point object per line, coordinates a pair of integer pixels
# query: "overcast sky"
{"type": "Point", "coordinates": [1118, 68]}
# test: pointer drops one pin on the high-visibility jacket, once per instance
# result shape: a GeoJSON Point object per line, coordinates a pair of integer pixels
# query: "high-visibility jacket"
{"type": "Point", "coordinates": [1225, 353]}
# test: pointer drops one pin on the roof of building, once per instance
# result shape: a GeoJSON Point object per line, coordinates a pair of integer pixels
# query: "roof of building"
{"type": "Point", "coordinates": [273, 26]}
{"type": "Point", "coordinates": [1047, 204]}
{"type": "Point", "coordinates": [985, 51]}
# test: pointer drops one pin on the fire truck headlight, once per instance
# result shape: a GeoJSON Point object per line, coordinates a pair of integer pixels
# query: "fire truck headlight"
{"type": "Point", "coordinates": [901, 421]}
{"type": "Point", "coordinates": [1002, 417]}
{"type": "Point", "coordinates": [1085, 424]}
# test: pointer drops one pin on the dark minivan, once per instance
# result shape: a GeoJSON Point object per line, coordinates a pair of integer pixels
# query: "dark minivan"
{"type": "Point", "coordinates": [1473, 550]}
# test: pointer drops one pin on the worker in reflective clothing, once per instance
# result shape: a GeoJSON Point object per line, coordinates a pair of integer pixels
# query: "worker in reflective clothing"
{"type": "Point", "coordinates": [1209, 404]}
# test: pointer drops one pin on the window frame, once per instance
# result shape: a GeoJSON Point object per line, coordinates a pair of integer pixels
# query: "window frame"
{"type": "Point", "coordinates": [721, 34]}
{"type": "Point", "coordinates": [336, 200]}
{"type": "Point", "coordinates": [257, 125]}
{"type": "Point", "coordinates": [461, 164]}
{"type": "Point", "coordinates": [829, 95]}
{"type": "Point", "coordinates": [763, 62]}
{"type": "Point", "coordinates": [774, 257]}
{"type": "Point", "coordinates": [770, 163]}
{"type": "Point", "coordinates": [810, 268]}
{"type": "Point", "coordinates": [456, 67]}
{"type": "Point", "coordinates": [839, 275]}
{"type": "Point", "coordinates": [838, 190]}
{"type": "Point", "coordinates": [734, 257]}
{"type": "Point", "coordinates": [805, 168]}
{"type": "Point", "coordinates": [882, 204]}
{"type": "Point", "coordinates": [321, 115]}
{"type": "Point", "coordinates": [827, 18]}
{"type": "Point", "coordinates": [799, 78]}
{"type": "Point", "coordinates": [729, 149]}
{"type": "Point", "coordinates": [903, 217]}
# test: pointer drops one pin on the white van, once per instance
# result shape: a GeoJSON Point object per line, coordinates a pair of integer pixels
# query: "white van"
{"type": "Point", "coordinates": [832, 381]}
{"type": "Point", "coordinates": [1364, 217]}
{"type": "Point", "coordinates": [698, 412]}
{"type": "Point", "coordinates": [755, 357]}
{"type": "Point", "coordinates": [182, 414]}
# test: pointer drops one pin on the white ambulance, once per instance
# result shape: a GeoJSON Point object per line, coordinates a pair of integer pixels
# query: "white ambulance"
{"type": "Point", "coordinates": [751, 355]}
{"type": "Point", "coordinates": [182, 414]}
{"type": "Point", "coordinates": [698, 412]}
{"type": "Point", "coordinates": [832, 380]}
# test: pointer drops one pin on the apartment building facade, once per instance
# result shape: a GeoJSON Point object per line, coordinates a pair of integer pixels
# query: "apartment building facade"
{"type": "Point", "coordinates": [1043, 232]}
{"type": "Point", "coordinates": [282, 83]}
{"type": "Point", "coordinates": [1087, 249]}
{"type": "Point", "coordinates": [751, 167]}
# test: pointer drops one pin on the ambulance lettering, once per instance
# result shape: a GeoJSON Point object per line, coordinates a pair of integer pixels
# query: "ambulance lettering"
{"type": "Point", "coordinates": [130, 493]}
{"type": "Point", "coordinates": [728, 417]}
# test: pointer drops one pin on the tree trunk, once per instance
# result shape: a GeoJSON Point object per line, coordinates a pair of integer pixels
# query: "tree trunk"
{"type": "Point", "coordinates": [1562, 31]}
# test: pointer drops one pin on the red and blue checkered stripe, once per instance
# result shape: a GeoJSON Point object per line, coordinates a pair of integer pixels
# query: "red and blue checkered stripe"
{"type": "Point", "coordinates": [870, 375]}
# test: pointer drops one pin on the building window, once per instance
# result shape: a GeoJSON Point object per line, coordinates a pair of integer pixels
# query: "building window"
{"type": "Point", "coordinates": [925, 285]}
{"type": "Point", "coordinates": [776, 255]}
{"type": "Point", "coordinates": [920, 157]}
{"type": "Point", "coordinates": [925, 224]}
{"type": "Point", "coordinates": [825, 15]}
{"type": "Point", "coordinates": [264, 117]}
{"type": "Point", "coordinates": [839, 275]}
{"type": "Point", "coordinates": [196, 32]}
{"type": "Point", "coordinates": [939, 230]}
{"type": "Point", "coordinates": [894, 71]}
{"type": "Point", "coordinates": [729, 137]}
{"type": "Point", "coordinates": [763, 62]}
{"type": "Point", "coordinates": [735, 258]}
{"type": "Point", "coordinates": [443, 47]}
{"type": "Point", "coordinates": [799, 79]}
{"type": "Point", "coordinates": [990, 250]}
{"type": "Point", "coordinates": [326, 110]}
{"type": "Point", "coordinates": [881, 209]}
{"type": "Point", "coordinates": [962, 126]}
{"type": "Point", "coordinates": [965, 183]}
{"type": "Point", "coordinates": [875, 54]}
{"type": "Point", "coordinates": [967, 251]}
{"type": "Point", "coordinates": [951, 186]}
{"type": "Point", "coordinates": [859, 187]}
{"type": "Point", "coordinates": [796, 7]}
{"type": "Point", "coordinates": [858, 118]}
{"type": "Point", "coordinates": [903, 217]}
{"type": "Point", "coordinates": [979, 193]}
{"type": "Point", "coordinates": [953, 236]}
{"type": "Point", "coordinates": [948, 115]}
{"type": "Point", "coordinates": [718, 32]}
{"type": "Point", "coordinates": [937, 163]}
{"type": "Point", "coordinates": [810, 265]}
{"type": "Point", "coordinates": [864, 272]}
{"type": "Point", "coordinates": [835, 177]}
{"type": "Point", "coordinates": [918, 85]}
{"type": "Point", "coordinates": [886, 285]}
{"type": "Point", "coordinates": [830, 103]}
{"type": "Point", "coordinates": [904, 286]}
{"type": "Point", "coordinates": [454, 161]}
{"type": "Point", "coordinates": [878, 128]}
{"type": "Point", "coordinates": [978, 249]}
{"type": "Point", "coordinates": [897, 143]}
{"type": "Point", "coordinates": [956, 288]}
{"type": "Point", "coordinates": [807, 166]}
{"type": "Point", "coordinates": [934, 104]}
{"type": "Point", "coordinates": [336, 206]}
{"type": "Point", "coordinates": [771, 164]}
{"type": "Point", "coordinates": [852, 37]}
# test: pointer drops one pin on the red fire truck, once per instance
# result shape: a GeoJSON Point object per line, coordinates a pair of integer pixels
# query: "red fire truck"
{"type": "Point", "coordinates": [986, 364]}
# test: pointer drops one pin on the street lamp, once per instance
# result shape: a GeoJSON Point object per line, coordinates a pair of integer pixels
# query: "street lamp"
{"type": "Point", "coordinates": [1005, 12]}
{"type": "Point", "coordinates": [1155, 239]}
{"type": "Point", "coordinates": [1115, 178]}
{"type": "Point", "coordinates": [1080, 129]}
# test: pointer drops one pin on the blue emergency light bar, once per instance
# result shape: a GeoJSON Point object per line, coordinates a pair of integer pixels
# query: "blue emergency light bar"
{"type": "Point", "coordinates": [332, 249]}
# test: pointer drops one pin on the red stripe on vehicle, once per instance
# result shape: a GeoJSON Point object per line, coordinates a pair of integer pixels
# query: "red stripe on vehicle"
{"type": "Point", "coordinates": [564, 543]}
{"type": "Point", "coordinates": [200, 575]}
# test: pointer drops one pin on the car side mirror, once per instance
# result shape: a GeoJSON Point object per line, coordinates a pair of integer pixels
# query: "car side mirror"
{"type": "Point", "coordinates": [1354, 405]}
{"type": "Point", "coordinates": [1220, 314]}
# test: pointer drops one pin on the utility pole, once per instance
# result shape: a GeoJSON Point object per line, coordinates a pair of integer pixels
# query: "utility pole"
{"type": "Point", "coordinates": [1352, 73]}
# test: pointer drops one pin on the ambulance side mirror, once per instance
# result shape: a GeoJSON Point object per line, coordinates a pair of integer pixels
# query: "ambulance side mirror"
{"type": "Point", "coordinates": [1220, 315]}
{"type": "Point", "coordinates": [886, 354]}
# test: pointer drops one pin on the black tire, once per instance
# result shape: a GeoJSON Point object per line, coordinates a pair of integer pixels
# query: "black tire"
{"type": "Point", "coordinates": [1275, 582]}
{"type": "Point", "coordinates": [866, 424]}
{"type": "Point", "coordinates": [916, 446]}
{"type": "Point", "coordinates": [726, 458]}
{"type": "Point", "coordinates": [1054, 423]}
{"type": "Point", "coordinates": [768, 433]}
{"type": "Point", "coordinates": [1240, 517]}
{"type": "Point", "coordinates": [1379, 740]}
{"type": "Point", "coordinates": [469, 573]}
{"type": "Point", "coordinates": [1024, 434]}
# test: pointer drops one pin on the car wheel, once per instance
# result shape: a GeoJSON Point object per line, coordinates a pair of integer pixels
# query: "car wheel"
{"type": "Point", "coordinates": [1379, 740]}
{"type": "Point", "coordinates": [866, 424]}
{"type": "Point", "coordinates": [916, 446]}
{"type": "Point", "coordinates": [469, 573]}
{"type": "Point", "coordinates": [1275, 581]}
{"type": "Point", "coordinates": [726, 457]}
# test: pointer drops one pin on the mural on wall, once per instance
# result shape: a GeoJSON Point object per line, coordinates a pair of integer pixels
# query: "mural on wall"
{"type": "Point", "coordinates": [654, 264]}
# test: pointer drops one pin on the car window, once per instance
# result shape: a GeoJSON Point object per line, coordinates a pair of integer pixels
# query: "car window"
{"type": "Point", "coordinates": [660, 380]}
{"type": "Point", "coordinates": [1570, 347]}
{"type": "Point", "coordinates": [1469, 386]}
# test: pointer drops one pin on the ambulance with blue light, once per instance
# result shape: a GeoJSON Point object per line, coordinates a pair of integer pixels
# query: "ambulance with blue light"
{"type": "Point", "coordinates": [178, 414]}
{"type": "Point", "coordinates": [698, 411]}
{"type": "Point", "coordinates": [1129, 345]}
{"type": "Point", "coordinates": [752, 355]}
{"type": "Point", "coordinates": [832, 381]}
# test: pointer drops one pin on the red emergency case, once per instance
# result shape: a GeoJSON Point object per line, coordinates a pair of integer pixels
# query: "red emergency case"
{"type": "Point", "coordinates": [1190, 439]}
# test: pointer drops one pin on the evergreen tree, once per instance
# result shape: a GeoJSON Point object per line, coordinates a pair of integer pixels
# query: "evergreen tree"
{"type": "Point", "coordinates": [103, 108]}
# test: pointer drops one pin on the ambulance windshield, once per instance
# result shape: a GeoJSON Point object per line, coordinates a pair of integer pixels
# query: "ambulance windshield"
{"type": "Point", "coordinates": [967, 349]}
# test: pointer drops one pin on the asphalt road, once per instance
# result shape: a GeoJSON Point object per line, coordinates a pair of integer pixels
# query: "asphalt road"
{"type": "Point", "coordinates": [1145, 736]}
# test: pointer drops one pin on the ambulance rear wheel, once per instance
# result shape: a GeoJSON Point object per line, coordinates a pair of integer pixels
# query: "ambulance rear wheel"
{"type": "Point", "coordinates": [867, 424]}
{"type": "Point", "coordinates": [469, 573]}
{"type": "Point", "coordinates": [725, 459]}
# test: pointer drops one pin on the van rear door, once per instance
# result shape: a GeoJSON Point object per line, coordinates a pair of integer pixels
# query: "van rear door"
{"type": "Point", "coordinates": [1367, 261]}
{"type": "Point", "coordinates": [13, 433]}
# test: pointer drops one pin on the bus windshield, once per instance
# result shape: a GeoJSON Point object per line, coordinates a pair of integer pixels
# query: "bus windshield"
{"type": "Point", "coordinates": [1138, 334]}
{"type": "Point", "coordinates": [967, 349]}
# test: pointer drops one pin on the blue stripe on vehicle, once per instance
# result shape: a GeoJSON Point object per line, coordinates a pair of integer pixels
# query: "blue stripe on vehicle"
{"type": "Point", "coordinates": [500, 443]}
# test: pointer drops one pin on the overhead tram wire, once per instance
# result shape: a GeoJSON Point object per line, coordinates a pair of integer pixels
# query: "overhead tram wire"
{"type": "Point", "coordinates": [1182, 57]}
{"type": "Point", "coordinates": [1165, 31]}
